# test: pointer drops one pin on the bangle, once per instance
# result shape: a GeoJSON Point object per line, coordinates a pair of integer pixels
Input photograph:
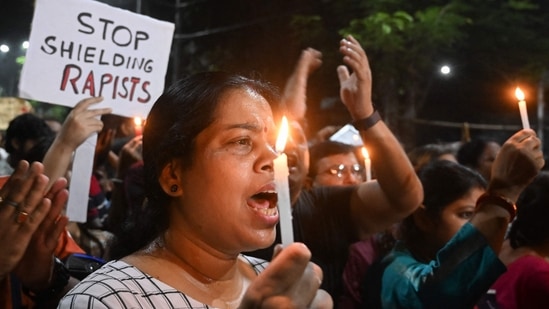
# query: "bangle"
{"type": "Point", "coordinates": [501, 201]}
{"type": "Point", "coordinates": [368, 122]}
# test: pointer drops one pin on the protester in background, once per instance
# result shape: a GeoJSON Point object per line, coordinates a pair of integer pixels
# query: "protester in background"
{"type": "Point", "coordinates": [525, 284]}
{"type": "Point", "coordinates": [334, 164]}
{"type": "Point", "coordinates": [208, 159]}
{"type": "Point", "coordinates": [28, 137]}
{"type": "Point", "coordinates": [479, 154]}
{"type": "Point", "coordinates": [129, 187]}
{"type": "Point", "coordinates": [83, 121]}
{"type": "Point", "coordinates": [329, 219]}
{"type": "Point", "coordinates": [425, 154]}
{"type": "Point", "coordinates": [443, 260]}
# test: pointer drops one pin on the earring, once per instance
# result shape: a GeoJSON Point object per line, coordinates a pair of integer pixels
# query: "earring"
{"type": "Point", "coordinates": [174, 188]}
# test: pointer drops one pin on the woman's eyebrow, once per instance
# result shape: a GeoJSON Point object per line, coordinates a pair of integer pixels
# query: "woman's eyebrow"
{"type": "Point", "coordinates": [247, 126]}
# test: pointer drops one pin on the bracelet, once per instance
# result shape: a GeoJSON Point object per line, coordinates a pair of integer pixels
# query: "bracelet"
{"type": "Point", "coordinates": [368, 122]}
{"type": "Point", "coordinates": [501, 201]}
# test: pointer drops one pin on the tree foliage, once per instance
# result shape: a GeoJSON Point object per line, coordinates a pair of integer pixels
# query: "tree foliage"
{"type": "Point", "coordinates": [489, 40]}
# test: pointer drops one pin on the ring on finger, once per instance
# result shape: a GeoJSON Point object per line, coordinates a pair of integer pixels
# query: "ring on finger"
{"type": "Point", "coordinates": [21, 217]}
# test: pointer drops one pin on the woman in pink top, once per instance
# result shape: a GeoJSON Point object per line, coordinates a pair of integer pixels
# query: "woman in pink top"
{"type": "Point", "coordinates": [526, 252]}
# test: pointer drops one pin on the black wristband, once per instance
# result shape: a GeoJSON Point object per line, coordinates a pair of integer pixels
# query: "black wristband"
{"type": "Point", "coordinates": [368, 122]}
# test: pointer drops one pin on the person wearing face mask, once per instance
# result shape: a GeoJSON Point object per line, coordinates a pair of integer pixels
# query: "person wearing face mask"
{"type": "Point", "coordinates": [362, 209]}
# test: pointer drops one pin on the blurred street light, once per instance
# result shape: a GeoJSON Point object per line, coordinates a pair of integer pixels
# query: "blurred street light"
{"type": "Point", "coordinates": [4, 48]}
{"type": "Point", "coordinates": [445, 70]}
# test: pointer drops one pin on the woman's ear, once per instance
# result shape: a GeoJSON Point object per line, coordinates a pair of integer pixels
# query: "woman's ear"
{"type": "Point", "coordinates": [170, 179]}
{"type": "Point", "coordinates": [422, 219]}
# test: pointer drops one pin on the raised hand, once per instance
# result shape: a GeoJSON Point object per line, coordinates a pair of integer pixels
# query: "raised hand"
{"type": "Point", "coordinates": [517, 163]}
{"type": "Point", "coordinates": [82, 121]}
{"type": "Point", "coordinates": [22, 210]}
{"type": "Point", "coordinates": [295, 90]}
{"type": "Point", "coordinates": [34, 269]}
{"type": "Point", "coordinates": [355, 87]}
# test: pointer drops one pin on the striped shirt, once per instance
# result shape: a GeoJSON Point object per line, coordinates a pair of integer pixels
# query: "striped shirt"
{"type": "Point", "coordinates": [120, 285]}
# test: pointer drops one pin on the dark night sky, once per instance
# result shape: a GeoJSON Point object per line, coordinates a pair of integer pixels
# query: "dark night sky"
{"type": "Point", "coordinates": [451, 98]}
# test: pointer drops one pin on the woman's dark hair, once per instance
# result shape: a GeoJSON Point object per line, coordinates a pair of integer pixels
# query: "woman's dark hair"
{"type": "Point", "coordinates": [443, 183]}
{"type": "Point", "coordinates": [424, 154]}
{"type": "Point", "coordinates": [27, 127]}
{"type": "Point", "coordinates": [469, 153]}
{"type": "Point", "coordinates": [326, 149]}
{"type": "Point", "coordinates": [530, 228]}
{"type": "Point", "coordinates": [171, 129]}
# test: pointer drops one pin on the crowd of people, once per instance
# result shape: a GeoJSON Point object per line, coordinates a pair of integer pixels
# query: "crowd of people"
{"type": "Point", "coordinates": [186, 216]}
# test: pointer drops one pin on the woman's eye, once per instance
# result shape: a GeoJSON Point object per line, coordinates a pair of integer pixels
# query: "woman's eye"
{"type": "Point", "coordinates": [244, 142]}
{"type": "Point", "coordinates": [466, 215]}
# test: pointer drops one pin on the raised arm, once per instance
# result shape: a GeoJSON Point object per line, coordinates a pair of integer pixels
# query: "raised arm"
{"type": "Point", "coordinates": [295, 90]}
{"type": "Point", "coordinates": [397, 190]}
{"type": "Point", "coordinates": [517, 163]}
{"type": "Point", "coordinates": [79, 125]}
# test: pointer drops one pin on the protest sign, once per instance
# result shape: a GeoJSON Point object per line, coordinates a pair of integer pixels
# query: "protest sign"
{"type": "Point", "coordinates": [84, 48]}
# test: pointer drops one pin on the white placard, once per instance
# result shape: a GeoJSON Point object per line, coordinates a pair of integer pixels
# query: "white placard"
{"type": "Point", "coordinates": [84, 48]}
{"type": "Point", "coordinates": [79, 189]}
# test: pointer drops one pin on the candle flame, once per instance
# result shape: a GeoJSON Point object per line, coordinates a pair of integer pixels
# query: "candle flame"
{"type": "Point", "coordinates": [519, 94]}
{"type": "Point", "coordinates": [137, 121]}
{"type": "Point", "coordinates": [282, 135]}
{"type": "Point", "coordinates": [365, 153]}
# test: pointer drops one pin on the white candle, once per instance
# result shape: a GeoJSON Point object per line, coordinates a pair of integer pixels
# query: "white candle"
{"type": "Point", "coordinates": [522, 108]}
{"type": "Point", "coordinates": [367, 164]}
{"type": "Point", "coordinates": [282, 187]}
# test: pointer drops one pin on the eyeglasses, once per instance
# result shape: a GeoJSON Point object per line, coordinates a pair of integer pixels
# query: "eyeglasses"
{"type": "Point", "coordinates": [339, 170]}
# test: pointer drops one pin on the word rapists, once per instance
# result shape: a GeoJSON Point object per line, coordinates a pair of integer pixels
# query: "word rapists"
{"type": "Point", "coordinates": [80, 80]}
{"type": "Point", "coordinates": [117, 86]}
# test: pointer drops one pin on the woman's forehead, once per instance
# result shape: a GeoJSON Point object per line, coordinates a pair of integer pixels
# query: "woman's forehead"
{"type": "Point", "coordinates": [244, 105]}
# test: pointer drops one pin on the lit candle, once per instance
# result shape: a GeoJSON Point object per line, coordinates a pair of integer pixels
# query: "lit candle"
{"type": "Point", "coordinates": [522, 108]}
{"type": "Point", "coordinates": [282, 187]}
{"type": "Point", "coordinates": [138, 125]}
{"type": "Point", "coordinates": [367, 164]}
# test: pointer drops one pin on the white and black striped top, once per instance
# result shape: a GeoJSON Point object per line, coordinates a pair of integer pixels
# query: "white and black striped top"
{"type": "Point", "coordinates": [120, 285]}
